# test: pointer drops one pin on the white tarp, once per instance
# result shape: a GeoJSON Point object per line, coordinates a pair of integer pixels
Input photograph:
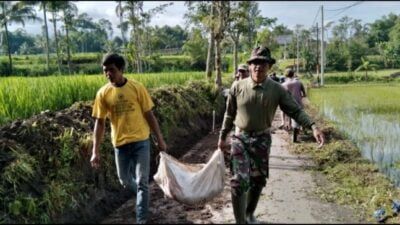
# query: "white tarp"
{"type": "Point", "coordinates": [191, 183]}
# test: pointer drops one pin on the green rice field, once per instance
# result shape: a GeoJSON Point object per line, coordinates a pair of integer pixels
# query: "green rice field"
{"type": "Point", "coordinates": [369, 114]}
{"type": "Point", "coordinates": [22, 97]}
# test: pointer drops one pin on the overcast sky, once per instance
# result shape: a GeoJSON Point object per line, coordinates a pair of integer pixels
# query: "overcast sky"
{"type": "Point", "coordinates": [288, 13]}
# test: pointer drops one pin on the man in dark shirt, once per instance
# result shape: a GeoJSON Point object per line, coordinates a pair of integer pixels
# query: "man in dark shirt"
{"type": "Point", "coordinates": [274, 77]}
{"type": "Point", "coordinates": [251, 106]}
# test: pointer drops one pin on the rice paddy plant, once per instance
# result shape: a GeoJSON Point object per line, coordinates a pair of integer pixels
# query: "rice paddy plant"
{"type": "Point", "coordinates": [349, 77]}
{"type": "Point", "coordinates": [370, 116]}
{"type": "Point", "coordinates": [22, 97]}
{"type": "Point", "coordinates": [22, 169]}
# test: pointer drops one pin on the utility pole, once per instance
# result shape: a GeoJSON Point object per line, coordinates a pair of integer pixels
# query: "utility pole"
{"type": "Point", "coordinates": [322, 45]}
{"type": "Point", "coordinates": [297, 53]}
{"type": "Point", "coordinates": [317, 51]}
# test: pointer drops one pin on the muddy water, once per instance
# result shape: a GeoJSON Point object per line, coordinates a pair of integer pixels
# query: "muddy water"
{"type": "Point", "coordinates": [377, 138]}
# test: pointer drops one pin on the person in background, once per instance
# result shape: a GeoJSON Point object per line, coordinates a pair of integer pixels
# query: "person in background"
{"type": "Point", "coordinates": [274, 77]}
{"type": "Point", "coordinates": [242, 73]}
{"type": "Point", "coordinates": [128, 106]}
{"type": "Point", "coordinates": [296, 88]}
{"type": "Point", "coordinates": [251, 106]}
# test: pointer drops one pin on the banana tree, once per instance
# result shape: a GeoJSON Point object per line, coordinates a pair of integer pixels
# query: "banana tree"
{"type": "Point", "coordinates": [366, 66]}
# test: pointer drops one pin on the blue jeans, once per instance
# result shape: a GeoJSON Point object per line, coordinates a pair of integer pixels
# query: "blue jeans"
{"type": "Point", "coordinates": [133, 166]}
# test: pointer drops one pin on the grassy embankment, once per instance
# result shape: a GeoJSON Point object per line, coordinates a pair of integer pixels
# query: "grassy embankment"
{"type": "Point", "coordinates": [360, 124]}
{"type": "Point", "coordinates": [45, 171]}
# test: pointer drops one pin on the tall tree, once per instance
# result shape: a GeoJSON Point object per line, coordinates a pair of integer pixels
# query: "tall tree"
{"type": "Point", "coordinates": [82, 29]}
{"type": "Point", "coordinates": [54, 7]}
{"type": "Point", "coordinates": [14, 12]}
{"type": "Point", "coordinates": [139, 19]}
{"type": "Point", "coordinates": [239, 24]}
{"type": "Point", "coordinates": [222, 10]}
{"type": "Point", "coordinates": [211, 43]}
{"type": "Point", "coordinates": [146, 19]}
{"type": "Point", "coordinates": [70, 11]}
{"type": "Point", "coordinates": [196, 47]}
{"type": "Point", "coordinates": [106, 26]}
{"type": "Point", "coordinates": [123, 26]}
{"type": "Point", "coordinates": [255, 21]}
{"type": "Point", "coordinates": [43, 7]}
{"type": "Point", "coordinates": [380, 29]}
{"type": "Point", "coordinates": [202, 14]}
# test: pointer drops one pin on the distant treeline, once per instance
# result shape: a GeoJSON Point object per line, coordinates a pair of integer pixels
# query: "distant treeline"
{"type": "Point", "coordinates": [351, 44]}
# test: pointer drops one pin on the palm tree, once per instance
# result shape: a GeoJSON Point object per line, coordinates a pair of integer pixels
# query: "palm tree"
{"type": "Point", "coordinates": [24, 49]}
{"type": "Point", "coordinates": [69, 11]}
{"type": "Point", "coordinates": [366, 65]}
{"type": "Point", "coordinates": [42, 6]}
{"type": "Point", "coordinates": [119, 10]}
{"type": "Point", "coordinates": [14, 12]}
{"type": "Point", "coordinates": [83, 24]}
{"type": "Point", "coordinates": [54, 8]}
{"type": "Point", "coordinates": [111, 47]}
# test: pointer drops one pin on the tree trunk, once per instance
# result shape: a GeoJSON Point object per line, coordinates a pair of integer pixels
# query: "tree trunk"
{"type": "Point", "coordinates": [218, 79]}
{"type": "Point", "coordinates": [47, 37]}
{"type": "Point", "coordinates": [211, 43]}
{"type": "Point", "coordinates": [8, 50]}
{"type": "Point", "coordinates": [138, 62]}
{"type": "Point", "coordinates": [121, 20]}
{"type": "Point", "coordinates": [68, 49]}
{"type": "Point", "coordinates": [235, 54]}
{"type": "Point", "coordinates": [56, 39]}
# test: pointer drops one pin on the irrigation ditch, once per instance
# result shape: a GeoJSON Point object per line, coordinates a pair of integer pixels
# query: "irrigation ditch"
{"type": "Point", "coordinates": [345, 177]}
{"type": "Point", "coordinates": [44, 160]}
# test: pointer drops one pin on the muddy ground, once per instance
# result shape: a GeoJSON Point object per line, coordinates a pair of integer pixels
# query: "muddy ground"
{"type": "Point", "coordinates": [289, 196]}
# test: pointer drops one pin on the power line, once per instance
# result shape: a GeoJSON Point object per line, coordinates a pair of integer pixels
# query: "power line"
{"type": "Point", "coordinates": [316, 15]}
{"type": "Point", "coordinates": [359, 2]}
{"type": "Point", "coordinates": [344, 9]}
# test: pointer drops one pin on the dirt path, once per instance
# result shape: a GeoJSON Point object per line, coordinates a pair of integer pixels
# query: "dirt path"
{"type": "Point", "coordinates": [287, 198]}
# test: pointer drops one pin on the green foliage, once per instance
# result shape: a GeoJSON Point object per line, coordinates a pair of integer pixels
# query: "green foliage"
{"type": "Point", "coordinates": [67, 152]}
{"type": "Point", "coordinates": [366, 65]}
{"type": "Point", "coordinates": [21, 170]}
{"type": "Point", "coordinates": [380, 29]}
{"type": "Point", "coordinates": [196, 48]}
{"type": "Point", "coordinates": [352, 180]}
{"type": "Point", "coordinates": [63, 182]}
{"type": "Point", "coordinates": [382, 76]}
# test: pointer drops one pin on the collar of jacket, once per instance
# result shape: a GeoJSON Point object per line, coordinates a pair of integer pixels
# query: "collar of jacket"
{"type": "Point", "coordinates": [253, 84]}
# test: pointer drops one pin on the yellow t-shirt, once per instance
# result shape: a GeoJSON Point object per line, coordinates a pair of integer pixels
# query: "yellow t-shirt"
{"type": "Point", "coordinates": [125, 107]}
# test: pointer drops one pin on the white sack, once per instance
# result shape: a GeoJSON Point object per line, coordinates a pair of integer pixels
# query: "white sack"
{"type": "Point", "coordinates": [191, 183]}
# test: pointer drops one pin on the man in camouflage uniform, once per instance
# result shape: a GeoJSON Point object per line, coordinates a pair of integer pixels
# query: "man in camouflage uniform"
{"type": "Point", "coordinates": [251, 107]}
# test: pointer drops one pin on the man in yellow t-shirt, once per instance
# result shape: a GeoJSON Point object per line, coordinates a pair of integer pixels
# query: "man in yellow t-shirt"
{"type": "Point", "coordinates": [129, 107]}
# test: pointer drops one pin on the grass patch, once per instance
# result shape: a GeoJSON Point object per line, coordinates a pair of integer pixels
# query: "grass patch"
{"type": "Point", "coordinates": [353, 180]}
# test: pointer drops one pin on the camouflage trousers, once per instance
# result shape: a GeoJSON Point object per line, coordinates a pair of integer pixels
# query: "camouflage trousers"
{"type": "Point", "coordinates": [249, 161]}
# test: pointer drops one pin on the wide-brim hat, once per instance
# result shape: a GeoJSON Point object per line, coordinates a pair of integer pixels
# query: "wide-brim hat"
{"type": "Point", "coordinates": [243, 67]}
{"type": "Point", "coordinates": [261, 53]}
